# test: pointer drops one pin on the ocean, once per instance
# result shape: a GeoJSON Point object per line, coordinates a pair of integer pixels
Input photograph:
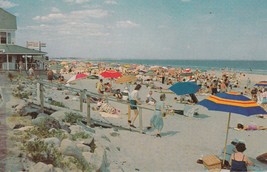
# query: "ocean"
{"type": "Point", "coordinates": [251, 66]}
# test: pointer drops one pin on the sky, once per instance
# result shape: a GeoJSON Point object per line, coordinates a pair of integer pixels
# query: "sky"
{"type": "Point", "coordinates": [144, 29]}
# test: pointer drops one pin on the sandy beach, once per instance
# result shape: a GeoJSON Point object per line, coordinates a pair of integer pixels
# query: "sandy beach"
{"type": "Point", "coordinates": [183, 139]}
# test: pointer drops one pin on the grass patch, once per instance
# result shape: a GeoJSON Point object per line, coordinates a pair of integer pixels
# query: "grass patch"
{"type": "Point", "coordinates": [72, 118]}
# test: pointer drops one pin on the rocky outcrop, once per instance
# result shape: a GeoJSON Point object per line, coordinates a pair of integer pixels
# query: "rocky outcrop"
{"type": "Point", "coordinates": [47, 122]}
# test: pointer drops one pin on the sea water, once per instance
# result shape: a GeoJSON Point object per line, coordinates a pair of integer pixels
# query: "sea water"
{"type": "Point", "coordinates": [249, 66]}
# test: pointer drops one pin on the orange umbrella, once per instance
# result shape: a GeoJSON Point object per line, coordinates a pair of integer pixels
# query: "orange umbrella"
{"type": "Point", "coordinates": [125, 79]}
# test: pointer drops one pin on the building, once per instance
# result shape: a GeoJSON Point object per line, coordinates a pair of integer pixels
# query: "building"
{"type": "Point", "coordinates": [11, 55]}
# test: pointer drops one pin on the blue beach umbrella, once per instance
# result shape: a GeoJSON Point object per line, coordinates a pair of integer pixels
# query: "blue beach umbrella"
{"type": "Point", "coordinates": [262, 84]}
{"type": "Point", "coordinates": [232, 102]}
{"type": "Point", "coordinates": [182, 88]}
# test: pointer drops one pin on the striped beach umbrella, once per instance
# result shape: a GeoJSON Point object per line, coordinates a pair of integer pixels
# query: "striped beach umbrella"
{"type": "Point", "coordinates": [232, 102]}
{"type": "Point", "coordinates": [262, 84]}
{"type": "Point", "coordinates": [77, 76]}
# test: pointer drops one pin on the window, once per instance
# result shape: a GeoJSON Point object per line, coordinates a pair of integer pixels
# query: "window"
{"type": "Point", "coordinates": [9, 38]}
{"type": "Point", "coordinates": [2, 37]}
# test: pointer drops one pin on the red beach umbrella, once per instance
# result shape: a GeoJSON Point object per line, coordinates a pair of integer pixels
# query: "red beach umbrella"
{"type": "Point", "coordinates": [77, 76]}
{"type": "Point", "coordinates": [111, 74]}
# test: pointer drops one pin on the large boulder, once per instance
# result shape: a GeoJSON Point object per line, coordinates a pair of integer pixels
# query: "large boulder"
{"type": "Point", "coordinates": [98, 159]}
{"type": "Point", "coordinates": [46, 122]}
{"type": "Point", "coordinates": [76, 129]}
{"type": "Point", "coordinates": [59, 115]}
{"type": "Point", "coordinates": [68, 148]}
{"type": "Point", "coordinates": [42, 167]}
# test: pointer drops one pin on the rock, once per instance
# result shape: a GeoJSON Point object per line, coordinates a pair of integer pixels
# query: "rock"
{"type": "Point", "coordinates": [47, 122]}
{"type": "Point", "coordinates": [52, 140]}
{"type": "Point", "coordinates": [59, 115]}
{"type": "Point", "coordinates": [65, 127]}
{"type": "Point", "coordinates": [19, 108]}
{"type": "Point", "coordinates": [28, 111]}
{"type": "Point", "coordinates": [83, 148]}
{"type": "Point", "coordinates": [42, 167]}
{"type": "Point", "coordinates": [76, 129]}
{"type": "Point", "coordinates": [69, 148]}
{"type": "Point", "coordinates": [98, 159]}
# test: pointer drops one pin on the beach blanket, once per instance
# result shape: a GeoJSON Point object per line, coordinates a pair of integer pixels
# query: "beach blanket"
{"type": "Point", "coordinates": [108, 115]}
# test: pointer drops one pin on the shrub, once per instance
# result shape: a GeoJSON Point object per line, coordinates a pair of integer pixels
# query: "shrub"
{"type": "Point", "coordinates": [56, 103]}
{"type": "Point", "coordinates": [81, 135]}
{"type": "Point", "coordinates": [39, 151]}
{"type": "Point", "coordinates": [72, 118]}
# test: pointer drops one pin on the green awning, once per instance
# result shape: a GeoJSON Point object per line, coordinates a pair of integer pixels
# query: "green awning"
{"type": "Point", "coordinates": [15, 49]}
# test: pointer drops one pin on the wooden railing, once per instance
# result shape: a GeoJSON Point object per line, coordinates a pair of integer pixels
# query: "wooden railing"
{"type": "Point", "coordinates": [88, 94]}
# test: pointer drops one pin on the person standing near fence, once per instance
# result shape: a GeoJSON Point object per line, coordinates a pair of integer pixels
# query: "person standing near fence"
{"type": "Point", "coordinates": [134, 100]}
{"type": "Point", "coordinates": [157, 121]}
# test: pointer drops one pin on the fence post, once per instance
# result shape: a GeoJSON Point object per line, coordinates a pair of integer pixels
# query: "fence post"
{"type": "Point", "coordinates": [81, 100]}
{"type": "Point", "coordinates": [88, 111]}
{"type": "Point", "coordinates": [140, 119]}
{"type": "Point", "coordinates": [42, 96]}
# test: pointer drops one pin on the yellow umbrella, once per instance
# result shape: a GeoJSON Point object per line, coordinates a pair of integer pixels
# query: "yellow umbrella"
{"type": "Point", "coordinates": [125, 79]}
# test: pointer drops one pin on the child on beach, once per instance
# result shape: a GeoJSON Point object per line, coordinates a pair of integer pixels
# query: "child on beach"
{"type": "Point", "coordinates": [239, 161]}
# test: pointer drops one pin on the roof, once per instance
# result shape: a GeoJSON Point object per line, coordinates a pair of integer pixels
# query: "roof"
{"type": "Point", "coordinates": [7, 20]}
{"type": "Point", "coordinates": [15, 49]}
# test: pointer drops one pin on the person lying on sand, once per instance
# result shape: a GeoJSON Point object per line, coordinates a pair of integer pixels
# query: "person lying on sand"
{"type": "Point", "coordinates": [249, 127]}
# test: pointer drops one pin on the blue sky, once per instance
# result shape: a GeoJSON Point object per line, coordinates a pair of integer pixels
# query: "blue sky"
{"type": "Point", "coordinates": [147, 29]}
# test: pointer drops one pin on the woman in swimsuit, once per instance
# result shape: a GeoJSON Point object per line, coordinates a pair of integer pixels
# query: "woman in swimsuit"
{"type": "Point", "coordinates": [239, 161]}
{"type": "Point", "coordinates": [250, 127]}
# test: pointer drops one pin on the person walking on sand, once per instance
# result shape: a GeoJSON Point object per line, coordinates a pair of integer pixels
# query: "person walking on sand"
{"type": "Point", "coordinates": [134, 100]}
{"type": "Point", "coordinates": [157, 121]}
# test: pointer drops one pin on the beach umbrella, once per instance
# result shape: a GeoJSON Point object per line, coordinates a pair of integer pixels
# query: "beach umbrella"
{"type": "Point", "coordinates": [232, 102]}
{"type": "Point", "coordinates": [262, 84]}
{"type": "Point", "coordinates": [77, 76]}
{"type": "Point", "coordinates": [182, 88]}
{"type": "Point", "coordinates": [126, 79]}
{"type": "Point", "coordinates": [111, 74]}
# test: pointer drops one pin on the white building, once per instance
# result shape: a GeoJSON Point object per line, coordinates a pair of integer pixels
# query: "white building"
{"type": "Point", "coordinates": [11, 55]}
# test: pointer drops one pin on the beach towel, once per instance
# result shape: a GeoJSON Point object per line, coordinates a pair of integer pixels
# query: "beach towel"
{"type": "Point", "coordinates": [105, 107]}
{"type": "Point", "coordinates": [108, 115]}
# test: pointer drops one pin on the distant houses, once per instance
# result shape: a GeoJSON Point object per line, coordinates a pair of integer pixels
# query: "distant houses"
{"type": "Point", "coordinates": [12, 56]}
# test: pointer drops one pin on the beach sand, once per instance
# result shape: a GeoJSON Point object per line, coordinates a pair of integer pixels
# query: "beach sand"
{"type": "Point", "coordinates": [184, 139]}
